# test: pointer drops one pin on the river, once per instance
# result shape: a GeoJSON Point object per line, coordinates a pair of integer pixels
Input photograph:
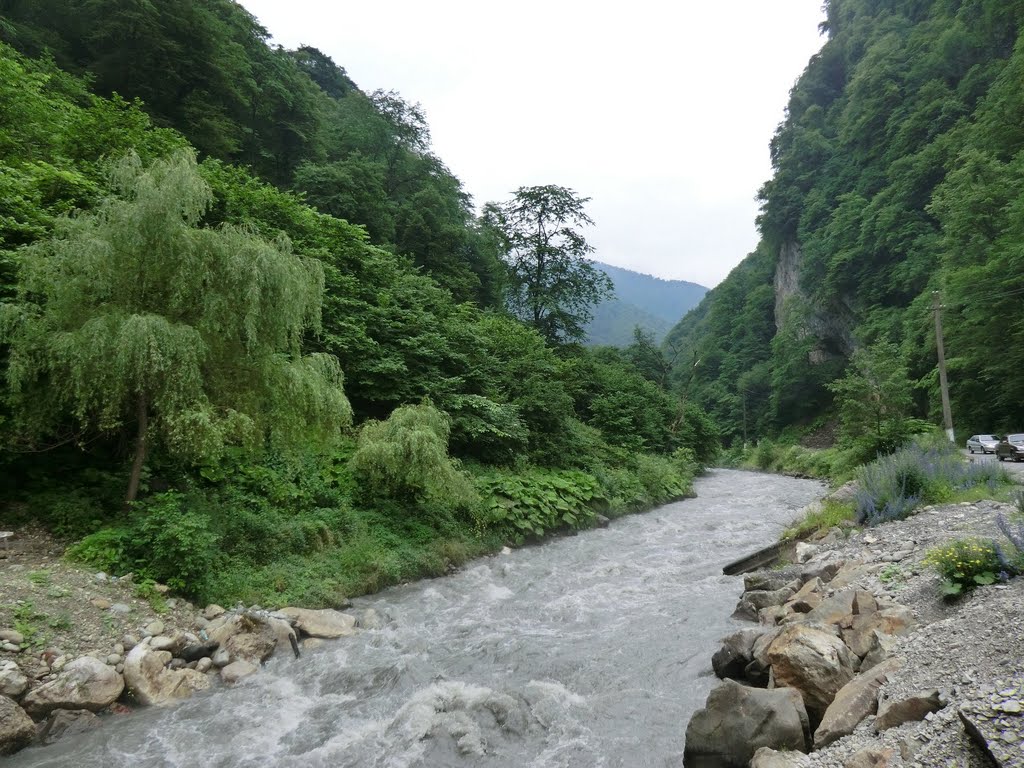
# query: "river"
{"type": "Point", "coordinates": [588, 651]}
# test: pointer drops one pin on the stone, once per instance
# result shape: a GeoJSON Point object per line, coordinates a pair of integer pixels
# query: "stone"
{"type": "Point", "coordinates": [154, 628]}
{"type": "Point", "coordinates": [814, 662]}
{"type": "Point", "coordinates": [13, 682]}
{"type": "Point", "coordinates": [16, 728]}
{"type": "Point", "coordinates": [204, 664]}
{"type": "Point", "coordinates": [855, 701]}
{"type": "Point", "coordinates": [129, 641]}
{"type": "Point", "coordinates": [174, 642]}
{"type": "Point", "coordinates": [833, 610]}
{"type": "Point", "coordinates": [736, 721]}
{"type": "Point", "coordinates": [221, 658]}
{"type": "Point", "coordinates": [85, 683]}
{"type": "Point", "coordinates": [909, 709]}
{"type": "Point", "coordinates": [805, 551]}
{"type": "Point", "coordinates": [768, 581]}
{"type": "Point", "coordinates": [212, 611]}
{"type": "Point", "coordinates": [736, 653]}
{"type": "Point", "coordinates": [764, 599]}
{"type": "Point", "coordinates": [152, 684]}
{"type": "Point", "coordinates": [100, 602]}
{"type": "Point", "coordinates": [113, 659]}
{"type": "Point", "coordinates": [870, 757]}
{"type": "Point", "coordinates": [237, 670]}
{"type": "Point", "coordinates": [766, 757]}
{"type": "Point", "coordinates": [12, 636]}
{"type": "Point", "coordinates": [199, 651]}
{"type": "Point", "coordinates": [327, 624]}
{"type": "Point", "coordinates": [62, 723]}
{"type": "Point", "coordinates": [120, 609]}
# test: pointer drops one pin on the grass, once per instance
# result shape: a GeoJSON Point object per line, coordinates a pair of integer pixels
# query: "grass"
{"type": "Point", "coordinates": [831, 515]}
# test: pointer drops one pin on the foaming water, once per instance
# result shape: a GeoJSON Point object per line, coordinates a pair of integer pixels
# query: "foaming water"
{"type": "Point", "coordinates": [589, 651]}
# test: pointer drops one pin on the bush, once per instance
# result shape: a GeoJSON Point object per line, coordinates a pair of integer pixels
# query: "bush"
{"type": "Point", "coordinates": [927, 471]}
{"type": "Point", "coordinates": [535, 502]}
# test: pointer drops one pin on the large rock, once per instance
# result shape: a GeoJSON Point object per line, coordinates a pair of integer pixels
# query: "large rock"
{"type": "Point", "coordinates": [253, 636]}
{"type": "Point", "coordinates": [814, 662]}
{"type": "Point", "coordinates": [16, 728]}
{"type": "Point", "coordinates": [735, 654]}
{"type": "Point", "coordinates": [325, 623]}
{"type": "Point", "coordinates": [854, 702]}
{"type": "Point", "coordinates": [85, 683]}
{"type": "Point", "coordinates": [736, 721]}
{"type": "Point", "coordinates": [152, 684]}
{"type": "Point", "coordinates": [907, 709]}
{"type": "Point", "coordinates": [67, 722]}
{"type": "Point", "coordinates": [772, 580]}
{"type": "Point", "coordinates": [837, 609]}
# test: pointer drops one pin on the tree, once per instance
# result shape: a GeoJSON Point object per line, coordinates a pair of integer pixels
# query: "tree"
{"type": "Point", "coordinates": [874, 400]}
{"type": "Point", "coordinates": [551, 284]}
{"type": "Point", "coordinates": [135, 315]}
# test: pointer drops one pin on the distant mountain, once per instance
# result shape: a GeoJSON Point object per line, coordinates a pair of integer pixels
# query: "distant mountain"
{"type": "Point", "coordinates": [654, 304]}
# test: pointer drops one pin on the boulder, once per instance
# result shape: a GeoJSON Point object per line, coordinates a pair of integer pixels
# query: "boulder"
{"type": "Point", "coordinates": [326, 623]}
{"type": "Point", "coordinates": [85, 683]}
{"type": "Point", "coordinates": [152, 684]}
{"type": "Point", "coordinates": [16, 728]}
{"type": "Point", "coordinates": [814, 662]}
{"type": "Point", "coordinates": [910, 709]}
{"type": "Point", "coordinates": [768, 581]}
{"type": "Point", "coordinates": [860, 636]}
{"type": "Point", "coordinates": [67, 722]}
{"type": "Point", "coordinates": [822, 567]}
{"type": "Point", "coordinates": [736, 721]}
{"type": "Point", "coordinates": [198, 651]}
{"type": "Point", "coordinates": [855, 701]}
{"type": "Point", "coordinates": [735, 654]}
{"type": "Point", "coordinates": [837, 609]}
{"type": "Point", "coordinates": [765, 599]}
{"type": "Point", "coordinates": [766, 757]}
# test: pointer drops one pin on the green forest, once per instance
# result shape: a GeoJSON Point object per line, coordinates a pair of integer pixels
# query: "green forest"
{"type": "Point", "coordinates": [898, 177]}
{"type": "Point", "coordinates": [256, 344]}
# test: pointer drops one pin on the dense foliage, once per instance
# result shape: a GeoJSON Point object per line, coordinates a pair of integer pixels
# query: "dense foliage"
{"type": "Point", "coordinates": [186, 325]}
{"type": "Point", "coordinates": [898, 171]}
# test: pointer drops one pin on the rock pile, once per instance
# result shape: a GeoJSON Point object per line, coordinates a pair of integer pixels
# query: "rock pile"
{"type": "Point", "coordinates": [915, 681]}
{"type": "Point", "coordinates": [154, 666]}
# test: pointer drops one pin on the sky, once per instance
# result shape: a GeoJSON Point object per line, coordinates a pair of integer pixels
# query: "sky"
{"type": "Point", "coordinates": [660, 112]}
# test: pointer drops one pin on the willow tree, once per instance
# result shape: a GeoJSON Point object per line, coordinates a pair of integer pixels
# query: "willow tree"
{"type": "Point", "coordinates": [135, 317]}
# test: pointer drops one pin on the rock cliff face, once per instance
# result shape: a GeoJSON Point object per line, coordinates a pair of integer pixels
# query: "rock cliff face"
{"type": "Point", "coordinates": [831, 327]}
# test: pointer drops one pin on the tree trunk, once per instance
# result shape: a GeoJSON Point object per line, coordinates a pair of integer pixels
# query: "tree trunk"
{"type": "Point", "coordinates": [140, 451]}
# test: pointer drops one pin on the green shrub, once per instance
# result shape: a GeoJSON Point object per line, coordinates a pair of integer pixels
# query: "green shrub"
{"type": "Point", "coordinates": [106, 549]}
{"type": "Point", "coordinates": [535, 502]}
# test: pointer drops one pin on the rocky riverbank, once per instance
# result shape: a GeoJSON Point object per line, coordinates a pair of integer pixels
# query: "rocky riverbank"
{"type": "Point", "coordinates": [77, 646]}
{"type": "Point", "coordinates": [885, 671]}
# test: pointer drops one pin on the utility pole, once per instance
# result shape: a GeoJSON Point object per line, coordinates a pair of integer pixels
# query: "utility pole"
{"type": "Point", "coordinates": [947, 415]}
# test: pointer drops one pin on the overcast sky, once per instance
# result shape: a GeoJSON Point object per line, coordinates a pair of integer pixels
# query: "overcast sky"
{"type": "Point", "coordinates": [659, 111]}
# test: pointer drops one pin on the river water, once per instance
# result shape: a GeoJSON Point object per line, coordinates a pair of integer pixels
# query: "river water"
{"type": "Point", "coordinates": [589, 651]}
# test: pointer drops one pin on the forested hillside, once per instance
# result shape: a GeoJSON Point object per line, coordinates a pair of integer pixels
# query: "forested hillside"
{"type": "Point", "coordinates": [255, 343]}
{"type": "Point", "coordinates": [898, 171]}
{"type": "Point", "coordinates": [653, 304]}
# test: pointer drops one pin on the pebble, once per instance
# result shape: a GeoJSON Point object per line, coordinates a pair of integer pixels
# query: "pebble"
{"type": "Point", "coordinates": [154, 628]}
{"type": "Point", "coordinates": [120, 609]}
{"type": "Point", "coordinates": [12, 636]}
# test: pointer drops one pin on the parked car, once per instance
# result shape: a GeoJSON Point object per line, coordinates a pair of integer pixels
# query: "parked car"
{"type": "Point", "coordinates": [1011, 448]}
{"type": "Point", "coordinates": [982, 443]}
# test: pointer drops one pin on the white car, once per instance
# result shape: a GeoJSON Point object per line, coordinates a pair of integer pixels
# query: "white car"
{"type": "Point", "coordinates": [982, 444]}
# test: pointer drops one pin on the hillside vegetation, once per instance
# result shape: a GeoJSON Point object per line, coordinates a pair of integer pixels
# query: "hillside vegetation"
{"type": "Point", "coordinates": [254, 341]}
{"type": "Point", "coordinates": [898, 172]}
{"type": "Point", "coordinates": [640, 301]}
